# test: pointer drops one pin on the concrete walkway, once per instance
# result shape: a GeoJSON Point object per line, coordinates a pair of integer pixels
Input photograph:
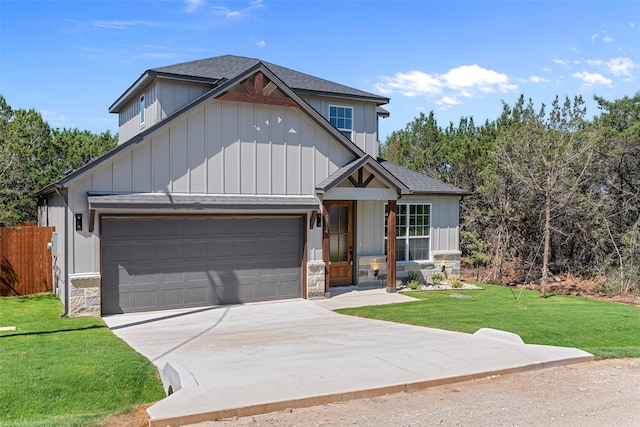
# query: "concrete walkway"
{"type": "Point", "coordinates": [246, 359]}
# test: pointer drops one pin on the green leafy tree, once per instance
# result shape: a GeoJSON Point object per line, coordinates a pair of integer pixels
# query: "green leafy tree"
{"type": "Point", "coordinates": [615, 192]}
{"type": "Point", "coordinates": [22, 134]}
{"type": "Point", "coordinates": [547, 158]}
{"type": "Point", "coordinates": [32, 155]}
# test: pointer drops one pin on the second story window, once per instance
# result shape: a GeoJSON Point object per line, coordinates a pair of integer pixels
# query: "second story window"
{"type": "Point", "coordinates": [342, 119]}
{"type": "Point", "coordinates": [142, 110]}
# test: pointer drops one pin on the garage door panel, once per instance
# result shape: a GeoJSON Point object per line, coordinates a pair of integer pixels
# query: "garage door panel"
{"type": "Point", "coordinates": [142, 251]}
{"type": "Point", "coordinates": [171, 277]}
{"type": "Point", "coordinates": [196, 249]}
{"type": "Point", "coordinates": [195, 227]}
{"type": "Point", "coordinates": [145, 299]}
{"type": "Point", "coordinates": [288, 245]}
{"type": "Point", "coordinates": [169, 262]}
{"type": "Point", "coordinates": [114, 252]}
{"type": "Point", "coordinates": [119, 230]}
{"type": "Point", "coordinates": [220, 226]}
{"type": "Point", "coordinates": [169, 250]}
{"type": "Point", "coordinates": [171, 226]}
{"type": "Point", "coordinates": [221, 247]}
{"type": "Point", "coordinates": [288, 287]}
{"type": "Point", "coordinates": [142, 228]}
{"type": "Point", "coordinates": [173, 297]}
{"type": "Point", "coordinates": [196, 295]}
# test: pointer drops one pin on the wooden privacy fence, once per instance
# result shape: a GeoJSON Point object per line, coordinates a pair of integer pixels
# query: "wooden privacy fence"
{"type": "Point", "coordinates": [25, 260]}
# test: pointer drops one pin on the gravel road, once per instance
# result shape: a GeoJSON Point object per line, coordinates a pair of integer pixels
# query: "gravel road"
{"type": "Point", "coordinates": [599, 393]}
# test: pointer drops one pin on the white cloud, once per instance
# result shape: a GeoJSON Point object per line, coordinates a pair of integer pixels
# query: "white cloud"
{"type": "Point", "coordinates": [193, 5]}
{"type": "Point", "coordinates": [594, 37]}
{"type": "Point", "coordinates": [534, 79]}
{"type": "Point", "coordinates": [413, 83]}
{"type": "Point", "coordinates": [446, 102]}
{"type": "Point", "coordinates": [225, 12]}
{"type": "Point", "coordinates": [123, 25]}
{"type": "Point", "coordinates": [560, 62]}
{"type": "Point", "coordinates": [261, 43]}
{"type": "Point", "coordinates": [592, 79]}
{"type": "Point", "coordinates": [464, 81]}
{"type": "Point", "coordinates": [607, 39]}
{"type": "Point", "coordinates": [621, 66]}
{"type": "Point", "coordinates": [471, 78]}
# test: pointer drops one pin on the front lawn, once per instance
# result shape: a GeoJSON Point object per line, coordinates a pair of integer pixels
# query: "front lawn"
{"type": "Point", "coordinates": [607, 330]}
{"type": "Point", "coordinates": [66, 372]}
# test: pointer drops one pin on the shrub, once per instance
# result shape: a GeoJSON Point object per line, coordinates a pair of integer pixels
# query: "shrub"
{"type": "Point", "coordinates": [436, 278]}
{"type": "Point", "coordinates": [456, 283]}
{"type": "Point", "coordinates": [413, 281]}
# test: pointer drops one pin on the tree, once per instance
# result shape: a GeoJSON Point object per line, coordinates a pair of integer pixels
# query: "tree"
{"type": "Point", "coordinates": [22, 134]}
{"type": "Point", "coordinates": [32, 155]}
{"type": "Point", "coordinates": [547, 158]}
{"type": "Point", "coordinates": [414, 146]}
{"type": "Point", "coordinates": [616, 187]}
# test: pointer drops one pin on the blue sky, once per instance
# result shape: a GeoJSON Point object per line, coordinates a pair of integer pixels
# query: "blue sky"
{"type": "Point", "coordinates": [71, 60]}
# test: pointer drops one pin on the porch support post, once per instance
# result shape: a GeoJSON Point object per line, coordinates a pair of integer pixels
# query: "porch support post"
{"type": "Point", "coordinates": [391, 247]}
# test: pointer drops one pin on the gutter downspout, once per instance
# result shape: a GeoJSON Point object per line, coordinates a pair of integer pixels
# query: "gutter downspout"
{"type": "Point", "coordinates": [66, 252]}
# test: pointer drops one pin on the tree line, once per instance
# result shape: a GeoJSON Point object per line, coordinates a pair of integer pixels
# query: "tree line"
{"type": "Point", "coordinates": [551, 192]}
{"type": "Point", "coordinates": [33, 155]}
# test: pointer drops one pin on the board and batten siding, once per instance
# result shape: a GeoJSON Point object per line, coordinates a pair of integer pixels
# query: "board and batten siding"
{"type": "Point", "coordinates": [228, 147]}
{"type": "Point", "coordinates": [370, 227]}
{"type": "Point", "coordinates": [221, 147]}
{"type": "Point", "coordinates": [365, 120]}
{"type": "Point", "coordinates": [162, 99]}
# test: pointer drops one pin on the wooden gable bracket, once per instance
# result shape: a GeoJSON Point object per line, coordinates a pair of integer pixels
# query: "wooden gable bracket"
{"type": "Point", "coordinates": [360, 183]}
{"type": "Point", "coordinates": [313, 219]}
{"type": "Point", "coordinates": [92, 220]}
{"type": "Point", "coordinates": [258, 92]}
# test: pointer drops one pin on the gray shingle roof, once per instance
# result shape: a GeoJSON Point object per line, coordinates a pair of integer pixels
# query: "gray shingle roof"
{"type": "Point", "coordinates": [229, 66]}
{"type": "Point", "coordinates": [419, 183]}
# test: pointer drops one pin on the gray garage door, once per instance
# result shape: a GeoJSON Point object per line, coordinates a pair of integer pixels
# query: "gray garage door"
{"type": "Point", "coordinates": [154, 263]}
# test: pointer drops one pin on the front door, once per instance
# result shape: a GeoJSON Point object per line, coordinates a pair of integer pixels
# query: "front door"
{"type": "Point", "coordinates": [340, 242]}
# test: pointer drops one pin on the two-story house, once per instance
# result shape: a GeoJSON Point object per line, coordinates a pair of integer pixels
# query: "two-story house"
{"type": "Point", "coordinates": [238, 180]}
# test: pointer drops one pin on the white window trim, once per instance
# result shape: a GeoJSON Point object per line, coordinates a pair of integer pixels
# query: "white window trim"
{"type": "Point", "coordinates": [342, 129]}
{"type": "Point", "coordinates": [430, 237]}
{"type": "Point", "coordinates": [142, 103]}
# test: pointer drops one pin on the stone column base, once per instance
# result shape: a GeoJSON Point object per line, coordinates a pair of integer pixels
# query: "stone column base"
{"type": "Point", "coordinates": [315, 279]}
{"type": "Point", "coordinates": [84, 295]}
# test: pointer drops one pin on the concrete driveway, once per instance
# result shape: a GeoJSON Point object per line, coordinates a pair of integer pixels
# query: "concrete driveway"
{"type": "Point", "coordinates": [246, 359]}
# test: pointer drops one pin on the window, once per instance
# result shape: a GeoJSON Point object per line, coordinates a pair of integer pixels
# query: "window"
{"type": "Point", "coordinates": [142, 110]}
{"type": "Point", "coordinates": [342, 119]}
{"type": "Point", "coordinates": [413, 231]}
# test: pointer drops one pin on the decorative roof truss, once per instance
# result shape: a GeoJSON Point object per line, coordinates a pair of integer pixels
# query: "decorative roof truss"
{"type": "Point", "coordinates": [359, 182]}
{"type": "Point", "coordinates": [258, 89]}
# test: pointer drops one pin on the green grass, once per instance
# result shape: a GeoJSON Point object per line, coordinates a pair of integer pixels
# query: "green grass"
{"type": "Point", "coordinates": [66, 372]}
{"type": "Point", "coordinates": [607, 330]}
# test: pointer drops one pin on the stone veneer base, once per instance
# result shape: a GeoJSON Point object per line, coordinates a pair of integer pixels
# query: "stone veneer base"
{"type": "Point", "coordinates": [84, 295]}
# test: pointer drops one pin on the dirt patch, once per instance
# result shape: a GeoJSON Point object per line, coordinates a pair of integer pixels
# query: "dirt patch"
{"type": "Point", "coordinates": [136, 417]}
{"type": "Point", "coordinates": [586, 394]}
{"type": "Point", "coordinates": [595, 288]}
{"type": "Point", "coordinates": [585, 288]}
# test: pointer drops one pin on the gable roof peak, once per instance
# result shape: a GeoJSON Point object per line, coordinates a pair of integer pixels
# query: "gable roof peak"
{"type": "Point", "coordinates": [229, 66]}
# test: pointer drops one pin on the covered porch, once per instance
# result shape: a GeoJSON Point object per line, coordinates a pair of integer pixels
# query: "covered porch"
{"type": "Point", "coordinates": [359, 226]}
